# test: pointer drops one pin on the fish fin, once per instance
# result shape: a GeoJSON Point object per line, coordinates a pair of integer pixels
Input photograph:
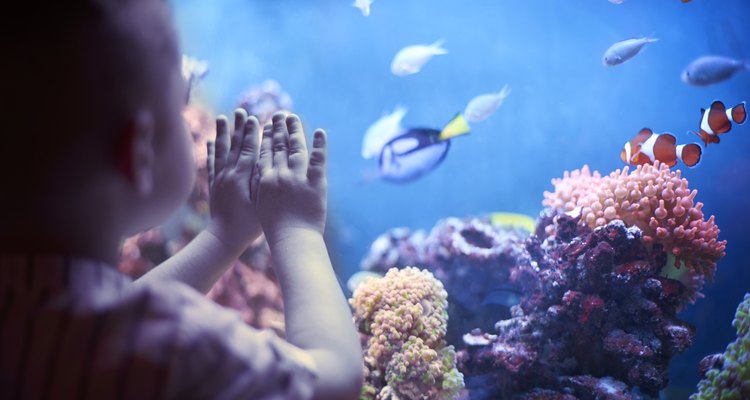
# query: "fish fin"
{"type": "Point", "coordinates": [400, 111]}
{"type": "Point", "coordinates": [455, 127]}
{"type": "Point", "coordinates": [739, 113]}
{"type": "Point", "coordinates": [690, 154]}
{"type": "Point", "coordinates": [437, 48]}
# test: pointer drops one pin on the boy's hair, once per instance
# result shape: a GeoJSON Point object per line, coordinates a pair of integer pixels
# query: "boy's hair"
{"type": "Point", "coordinates": [69, 71]}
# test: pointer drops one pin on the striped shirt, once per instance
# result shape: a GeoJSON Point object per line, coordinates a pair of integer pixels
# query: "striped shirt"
{"type": "Point", "coordinates": [79, 329]}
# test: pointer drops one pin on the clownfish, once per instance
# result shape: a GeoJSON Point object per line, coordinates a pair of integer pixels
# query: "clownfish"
{"type": "Point", "coordinates": [647, 147]}
{"type": "Point", "coordinates": [717, 119]}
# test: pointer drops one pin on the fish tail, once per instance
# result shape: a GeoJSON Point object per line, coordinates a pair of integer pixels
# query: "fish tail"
{"type": "Point", "coordinates": [739, 113]}
{"type": "Point", "coordinates": [505, 92]}
{"type": "Point", "coordinates": [437, 47]}
{"type": "Point", "coordinates": [690, 154]}
{"type": "Point", "coordinates": [456, 127]}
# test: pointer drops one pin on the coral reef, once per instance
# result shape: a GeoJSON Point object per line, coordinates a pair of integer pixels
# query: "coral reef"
{"type": "Point", "coordinates": [595, 320]}
{"type": "Point", "coordinates": [656, 200]}
{"type": "Point", "coordinates": [727, 376]}
{"type": "Point", "coordinates": [402, 321]}
{"type": "Point", "coordinates": [479, 263]}
{"type": "Point", "coordinates": [599, 285]}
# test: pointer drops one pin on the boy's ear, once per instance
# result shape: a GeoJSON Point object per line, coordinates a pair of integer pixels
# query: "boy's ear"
{"type": "Point", "coordinates": [136, 152]}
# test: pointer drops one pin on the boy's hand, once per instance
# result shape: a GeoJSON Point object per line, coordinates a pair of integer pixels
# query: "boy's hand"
{"type": "Point", "coordinates": [291, 188]}
{"type": "Point", "coordinates": [233, 217]}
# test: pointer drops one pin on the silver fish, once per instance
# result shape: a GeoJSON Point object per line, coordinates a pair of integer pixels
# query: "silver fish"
{"type": "Point", "coordinates": [624, 50]}
{"type": "Point", "coordinates": [481, 107]}
{"type": "Point", "coordinates": [411, 59]}
{"type": "Point", "coordinates": [708, 70]}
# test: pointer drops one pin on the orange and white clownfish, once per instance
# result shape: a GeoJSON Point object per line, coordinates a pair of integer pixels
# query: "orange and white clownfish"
{"type": "Point", "coordinates": [718, 119]}
{"type": "Point", "coordinates": [647, 147]}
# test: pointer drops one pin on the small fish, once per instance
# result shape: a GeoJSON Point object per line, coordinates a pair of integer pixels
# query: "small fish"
{"type": "Point", "coordinates": [359, 278]}
{"type": "Point", "coordinates": [708, 70]}
{"type": "Point", "coordinates": [513, 221]}
{"type": "Point", "coordinates": [504, 294]}
{"type": "Point", "coordinates": [363, 5]}
{"type": "Point", "coordinates": [718, 119]}
{"type": "Point", "coordinates": [411, 59]}
{"type": "Point", "coordinates": [482, 106]}
{"type": "Point", "coordinates": [647, 147]}
{"type": "Point", "coordinates": [381, 131]}
{"type": "Point", "coordinates": [624, 50]}
{"type": "Point", "coordinates": [418, 151]}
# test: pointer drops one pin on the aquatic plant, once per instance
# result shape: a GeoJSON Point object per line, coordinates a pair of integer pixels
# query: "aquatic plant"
{"type": "Point", "coordinates": [402, 320]}
{"type": "Point", "coordinates": [727, 376]}
{"type": "Point", "coordinates": [654, 199]}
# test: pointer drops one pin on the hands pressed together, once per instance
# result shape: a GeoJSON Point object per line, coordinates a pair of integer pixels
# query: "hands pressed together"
{"type": "Point", "coordinates": [271, 183]}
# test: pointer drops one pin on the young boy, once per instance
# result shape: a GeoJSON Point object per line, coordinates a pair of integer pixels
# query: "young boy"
{"type": "Point", "coordinates": [94, 150]}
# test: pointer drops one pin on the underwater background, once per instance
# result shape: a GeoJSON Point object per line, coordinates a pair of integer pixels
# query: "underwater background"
{"type": "Point", "coordinates": [566, 108]}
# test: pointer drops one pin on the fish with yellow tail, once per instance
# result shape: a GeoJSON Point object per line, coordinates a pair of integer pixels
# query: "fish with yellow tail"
{"type": "Point", "coordinates": [717, 119]}
{"type": "Point", "coordinates": [418, 151]}
{"type": "Point", "coordinates": [647, 147]}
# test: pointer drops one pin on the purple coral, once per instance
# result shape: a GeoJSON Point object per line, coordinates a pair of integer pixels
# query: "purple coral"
{"type": "Point", "coordinates": [598, 316]}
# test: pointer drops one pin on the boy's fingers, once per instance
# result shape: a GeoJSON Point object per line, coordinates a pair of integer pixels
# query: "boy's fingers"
{"type": "Point", "coordinates": [222, 144]}
{"type": "Point", "coordinates": [249, 148]}
{"type": "Point", "coordinates": [280, 141]}
{"type": "Point", "coordinates": [240, 116]}
{"type": "Point", "coordinates": [297, 144]}
{"type": "Point", "coordinates": [265, 155]}
{"type": "Point", "coordinates": [317, 169]}
{"type": "Point", "coordinates": [210, 157]}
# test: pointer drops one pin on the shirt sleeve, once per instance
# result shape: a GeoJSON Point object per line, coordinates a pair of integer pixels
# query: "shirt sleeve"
{"type": "Point", "coordinates": [220, 357]}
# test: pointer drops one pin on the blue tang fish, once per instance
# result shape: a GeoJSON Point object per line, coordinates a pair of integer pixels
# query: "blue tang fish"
{"type": "Point", "coordinates": [418, 151]}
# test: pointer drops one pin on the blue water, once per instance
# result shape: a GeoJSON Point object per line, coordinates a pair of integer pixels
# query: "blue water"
{"type": "Point", "coordinates": [566, 109]}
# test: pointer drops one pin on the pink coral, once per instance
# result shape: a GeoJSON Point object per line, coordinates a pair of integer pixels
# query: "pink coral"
{"type": "Point", "coordinates": [651, 197]}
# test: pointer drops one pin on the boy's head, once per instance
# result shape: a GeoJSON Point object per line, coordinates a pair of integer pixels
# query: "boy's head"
{"type": "Point", "coordinates": [92, 95]}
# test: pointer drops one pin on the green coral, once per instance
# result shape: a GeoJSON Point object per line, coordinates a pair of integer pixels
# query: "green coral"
{"type": "Point", "coordinates": [403, 318]}
{"type": "Point", "coordinates": [732, 380]}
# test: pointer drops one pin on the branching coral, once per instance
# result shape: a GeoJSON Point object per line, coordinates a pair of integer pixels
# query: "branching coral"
{"type": "Point", "coordinates": [728, 377]}
{"type": "Point", "coordinates": [653, 198]}
{"type": "Point", "coordinates": [402, 318]}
